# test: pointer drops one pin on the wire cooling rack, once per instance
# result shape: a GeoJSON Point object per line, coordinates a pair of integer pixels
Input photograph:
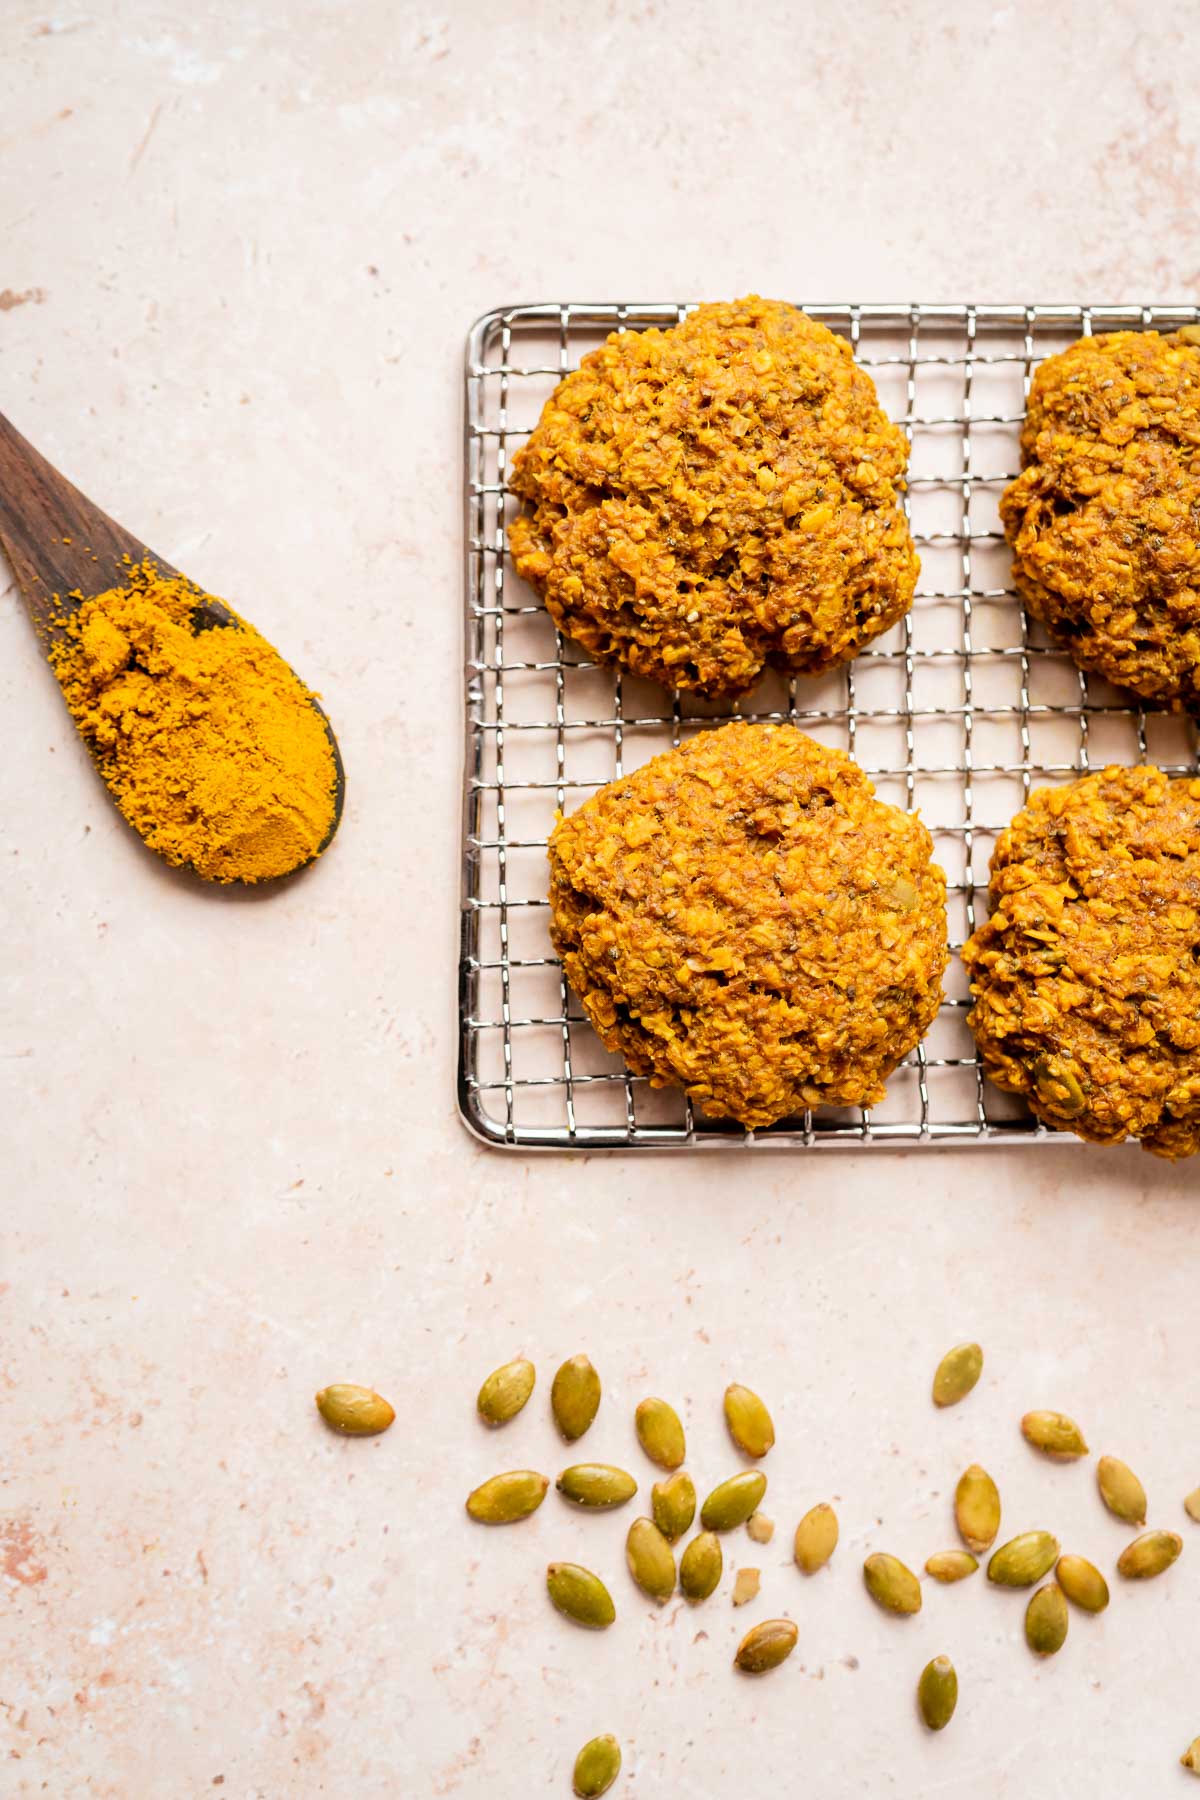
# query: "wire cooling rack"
{"type": "Point", "coordinates": [959, 711]}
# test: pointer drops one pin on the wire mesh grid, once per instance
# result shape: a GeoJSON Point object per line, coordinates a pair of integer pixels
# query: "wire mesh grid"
{"type": "Point", "coordinates": [959, 711]}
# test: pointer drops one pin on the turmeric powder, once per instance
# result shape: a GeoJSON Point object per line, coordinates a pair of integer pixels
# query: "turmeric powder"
{"type": "Point", "coordinates": [211, 746]}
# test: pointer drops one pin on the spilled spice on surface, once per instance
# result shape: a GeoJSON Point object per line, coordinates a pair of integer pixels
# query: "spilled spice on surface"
{"type": "Point", "coordinates": [209, 743]}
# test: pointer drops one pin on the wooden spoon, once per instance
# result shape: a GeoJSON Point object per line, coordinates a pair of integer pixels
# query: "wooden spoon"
{"type": "Point", "coordinates": [58, 542]}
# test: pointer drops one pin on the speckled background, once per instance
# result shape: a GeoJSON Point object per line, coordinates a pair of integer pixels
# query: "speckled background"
{"type": "Point", "coordinates": [240, 247]}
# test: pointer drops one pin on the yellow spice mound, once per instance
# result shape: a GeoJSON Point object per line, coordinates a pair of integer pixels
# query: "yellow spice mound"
{"type": "Point", "coordinates": [212, 748]}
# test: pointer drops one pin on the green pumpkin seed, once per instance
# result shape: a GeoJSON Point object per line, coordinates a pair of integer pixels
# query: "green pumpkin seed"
{"type": "Point", "coordinates": [508, 1497]}
{"type": "Point", "coordinates": [957, 1374]}
{"type": "Point", "coordinates": [700, 1566]}
{"type": "Point", "coordinates": [1054, 1435]}
{"type": "Point", "coordinates": [977, 1509]}
{"type": "Point", "coordinates": [580, 1595]}
{"type": "Point", "coordinates": [597, 1767]}
{"type": "Point", "coordinates": [673, 1503]}
{"type": "Point", "coordinates": [748, 1420]}
{"type": "Point", "coordinates": [598, 1485]}
{"type": "Point", "coordinates": [951, 1565]}
{"type": "Point", "coordinates": [1121, 1491]}
{"type": "Point", "coordinates": [1046, 1620]}
{"type": "Point", "coordinates": [660, 1433]}
{"type": "Point", "coordinates": [1191, 1756]}
{"type": "Point", "coordinates": [816, 1538]}
{"type": "Point", "coordinates": [1149, 1555]}
{"type": "Point", "coordinates": [505, 1391]}
{"type": "Point", "coordinates": [1058, 1087]}
{"type": "Point", "coordinates": [760, 1528]}
{"type": "Point", "coordinates": [766, 1645]}
{"type": "Point", "coordinates": [1082, 1583]}
{"type": "Point", "coordinates": [891, 1584]}
{"type": "Point", "coordinates": [354, 1411]}
{"type": "Point", "coordinates": [937, 1693]}
{"type": "Point", "coordinates": [1192, 1505]}
{"type": "Point", "coordinates": [731, 1502]}
{"type": "Point", "coordinates": [651, 1560]}
{"type": "Point", "coordinates": [1023, 1560]}
{"type": "Point", "coordinates": [575, 1397]}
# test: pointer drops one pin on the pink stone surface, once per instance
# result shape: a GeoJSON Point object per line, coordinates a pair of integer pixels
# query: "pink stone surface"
{"type": "Point", "coordinates": [241, 247]}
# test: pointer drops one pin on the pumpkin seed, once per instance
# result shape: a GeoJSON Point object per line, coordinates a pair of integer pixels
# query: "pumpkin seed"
{"type": "Point", "coordinates": [580, 1595]}
{"type": "Point", "coordinates": [766, 1645]}
{"type": "Point", "coordinates": [731, 1502]}
{"type": "Point", "coordinates": [1190, 335]}
{"type": "Point", "coordinates": [901, 894]}
{"type": "Point", "coordinates": [354, 1411]}
{"type": "Point", "coordinates": [660, 1433]}
{"type": "Point", "coordinates": [1121, 1491]}
{"type": "Point", "coordinates": [1054, 1435]}
{"type": "Point", "coordinates": [508, 1497]}
{"type": "Point", "coordinates": [1191, 1756]}
{"type": "Point", "coordinates": [951, 1565]}
{"type": "Point", "coordinates": [748, 1420]}
{"type": "Point", "coordinates": [700, 1566]}
{"type": "Point", "coordinates": [816, 1538]}
{"type": "Point", "coordinates": [505, 1391]}
{"type": "Point", "coordinates": [575, 1397]}
{"type": "Point", "coordinates": [760, 1528]}
{"type": "Point", "coordinates": [746, 1585]}
{"type": "Point", "coordinates": [1082, 1583]}
{"type": "Point", "coordinates": [597, 1767]}
{"type": "Point", "coordinates": [937, 1693]}
{"type": "Point", "coordinates": [1058, 1086]}
{"type": "Point", "coordinates": [1024, 1559]}
{"type": "Point", "coordinates": [651, 1560]}
{"type": "Point", "coordinates": [1149, 1555]}
{"type": "Point", "coordinates": [957, 1374]}
{"type": "Point", "coordinates": [1192, 1505]}
{"type": "Point", "coordinates": [673, 1503]}
{"type": "Point", "coordinates": [1046, 1620]}
{"type": "Point", "coordinates": [597, 1485]}
{"type": "Point", "coordinates": [891, 1584]}
{"type": "Point", "coordinates": [977, 1509]}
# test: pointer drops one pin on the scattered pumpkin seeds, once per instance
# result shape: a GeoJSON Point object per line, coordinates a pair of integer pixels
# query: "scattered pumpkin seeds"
{"type": "Point", "coordinates": [1054, 1435]}
{"type": "Point", "coordinates": [816, 1538]}
{"type": "Point", "coordinates": [354, 1411]}
{"type": "Point", "coordinates": [508, 1497]}
{"type": "Point", "coordinates": [937, 1693]}
{"type": "Point", "coordinates": [651, 1560]}
{"type": "Point", "coordinates": [597, 1485]}
{"type": "Point", "coordinates": [673, 1503]}
{"type": "Point", "coordinates": [951, 1565]}
{"type": "Point", "coordinates": [748, 1420]}
{"type": "Point", "coordinates": [580, 1595]}
{"type": "Point", "coordinates": [505, 1391]}
{"type": "Point", "coordinates": [1192, 1505]}
{"type": "Point", "coordinates": [597, 1767]}
{"type": "Point", "coordinates": [892, 1585]}
{"type": "Point", "coordinates": [977, 1509]}
{"type": "Point", "coordinates": [731, 1502]}
{"type": "Point", "coordinates": [760, 1528]}
{"type": "Point", "coordinates": [1191, 1756]}
{"type": "Point", "coordinates": [766, 1645]}
{"type": "Point", "coordinates": [1149, 1555]}
{"type": "Point", "coordinates": [700, 1566]}
{"type": "Point", "coordinates": [575, 1397]}
{"type": "Point", "coordinates": [1046, 1620]}
{"type": "Point", "coordinates": [957, 1374]}
{"type": "Point", "coordinates": [1024, 1559]}
{"type": "Point", "coordinates": [660, 1433]}
{"type": "Point", "coordinates": [1121, 1491]}
{"type": "Point", "coordinates": [746, 1584]}
{"type": "Point", "coordinates": [1082, 1583]}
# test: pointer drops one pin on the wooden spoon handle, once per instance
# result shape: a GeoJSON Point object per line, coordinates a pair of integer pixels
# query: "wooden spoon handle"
{"type": "Point", "coordinates": [54, 537]}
